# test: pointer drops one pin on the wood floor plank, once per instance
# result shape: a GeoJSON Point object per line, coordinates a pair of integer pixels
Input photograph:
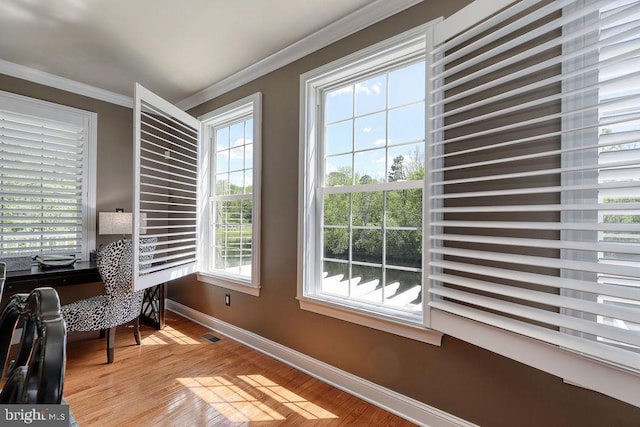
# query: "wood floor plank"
{"type": "Point", "coordinates": [177, 378]}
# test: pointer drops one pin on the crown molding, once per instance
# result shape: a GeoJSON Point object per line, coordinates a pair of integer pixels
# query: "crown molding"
{"type": "Point", "coordinates": [352, 23]}
{"type": "Point", "coordinates": [48, 79]}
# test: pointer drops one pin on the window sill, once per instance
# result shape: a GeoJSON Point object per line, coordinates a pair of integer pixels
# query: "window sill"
{"type": "Point", "coordinates": [572, 367]}
{"type": "Point", "coordinates": [224, 282]}
{"type": "Point", "coordinates": [407, 330]}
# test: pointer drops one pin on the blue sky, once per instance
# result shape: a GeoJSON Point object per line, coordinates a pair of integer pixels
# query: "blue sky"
{"type": "Point", "coordinates": [356, 121]}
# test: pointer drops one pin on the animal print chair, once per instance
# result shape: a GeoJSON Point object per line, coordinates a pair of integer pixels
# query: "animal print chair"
{"type": "Point", "coordinates": [119, 304]}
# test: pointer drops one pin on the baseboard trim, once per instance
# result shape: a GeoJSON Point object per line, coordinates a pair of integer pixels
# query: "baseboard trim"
{"type": "Point", "coordinates": [396, 403]}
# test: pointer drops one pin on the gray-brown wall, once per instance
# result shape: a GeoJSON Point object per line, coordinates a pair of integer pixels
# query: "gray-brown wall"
{"type": "Point", "coordinates": [457, 377]}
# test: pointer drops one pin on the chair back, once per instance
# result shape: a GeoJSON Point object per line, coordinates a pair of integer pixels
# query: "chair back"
{"type": "Point", "coordinates": [115, 264]}
{"type": "Point", "coordinates": [36, 375]}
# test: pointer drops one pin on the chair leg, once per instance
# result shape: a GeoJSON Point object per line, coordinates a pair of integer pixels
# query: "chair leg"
{"type": "Point", "coordinates": [102, 333]}
{"type": "Point", "coordinates": [111, 339]}
{"type": "Point", "coordinates": [136, 329]}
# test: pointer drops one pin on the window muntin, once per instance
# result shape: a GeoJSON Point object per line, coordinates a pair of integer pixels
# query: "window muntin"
{"type": "Point", "coordinates": [365, 162]}
{"type": "Point", "coordinates": [47, 178]}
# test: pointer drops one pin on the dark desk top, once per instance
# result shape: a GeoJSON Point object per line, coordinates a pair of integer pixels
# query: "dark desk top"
{"type": "Point", "coordinates": [37, 271]}
{"type": "Point", "coordinates": [26, 280]}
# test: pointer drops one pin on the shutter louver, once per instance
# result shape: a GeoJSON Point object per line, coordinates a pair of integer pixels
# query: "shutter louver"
{"type": "Point", "coordinates": [166, 189]}
{"type": "Point", "coordinates": [41, 185]}
{"type": "Point", "coordinates": [535, 175]}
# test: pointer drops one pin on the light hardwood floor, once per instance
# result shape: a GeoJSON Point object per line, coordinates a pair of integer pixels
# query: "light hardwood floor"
{"type": "Point", "coordinates": [177, 378]}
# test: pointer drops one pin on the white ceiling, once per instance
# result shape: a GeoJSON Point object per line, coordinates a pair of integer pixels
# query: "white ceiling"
{"type": "Point", "coordinates": [175, 48]}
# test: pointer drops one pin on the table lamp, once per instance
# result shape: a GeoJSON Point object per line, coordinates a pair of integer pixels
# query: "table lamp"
{"type": "Point", "coordinates": [115, 223]}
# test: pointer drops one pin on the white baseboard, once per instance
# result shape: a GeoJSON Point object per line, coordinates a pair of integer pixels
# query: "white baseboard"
{"type": "Point", "coordinates": [396, 403]}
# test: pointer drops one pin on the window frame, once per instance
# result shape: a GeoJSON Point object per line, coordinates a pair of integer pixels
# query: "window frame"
{"type": "Point", "coordinates": [252, 105]}
{"type": "Point", "coordinates": [49, 110]}
{"type": "Point", "coordinates": [312, 84]}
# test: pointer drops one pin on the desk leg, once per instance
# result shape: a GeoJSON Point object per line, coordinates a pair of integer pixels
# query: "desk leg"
{"type": "Point", "coordinates": [153, 306]}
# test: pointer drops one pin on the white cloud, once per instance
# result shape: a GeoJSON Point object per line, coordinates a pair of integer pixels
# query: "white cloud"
{"type": "Point", "coordinates": [380, 142]}
{"type": "Point", "coordinates": [375, 89]}
{"type": "Point", "coordinates": [341, 91]}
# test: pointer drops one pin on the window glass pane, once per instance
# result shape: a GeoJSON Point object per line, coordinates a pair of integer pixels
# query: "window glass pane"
{"type": "Point", "coordinates": [339, 138]}
{"type": "Point", "coordinates": [336, 209]}
{"type": "Point", "coordinates": [222, 183]}
{"type": "Point", "coordinates": [367, 209]}
{"type": "Point", "coordinates": [335, 278]}
{"type": "Point", "coordinates": [370, 131]}
{"type": "Point", "coordinates": [336, 243]}
{"type": "Point", "coordinates": [248, 156]}
{"type": "Point", "coordinates": [248, 182]}
{"type": "Point", "coordinates": [367, 245]}
{"type": "Point", "coordinates": [404, 248]}
{"type": "Point", "coordinates": [236, 134]}
{"type": "Point", "coordinates": [370, 166]}
{"type": "Point", "coordinates": [338, 170]}
{"type": "Point", "coordinates": [404, 208]}
{"type": "Point", "coordinates": [222, 161]}
{"type": "Point", "coordinates": [403, 289]}
{"type": "Point", "coordinates": [371, 95]}
{"type": "Point", "coordinates": [369, 283]}
{"type": "Point", "coordinates": [339, 104]}
{"type": "Point", "coordinates": [406, 124]}
{"type": "Point", "coordinates": [233, 237]}
{"type": "Point", "coordinates": [222, 138]}
{"type": "Point", "coordinates": [406, 85]}
{"type": "Point", "coordinates": [236, 158]}
{"type": "Point", "coordinates": [406, 163]}
{"type": "Point", "coordinates": [236, 182]}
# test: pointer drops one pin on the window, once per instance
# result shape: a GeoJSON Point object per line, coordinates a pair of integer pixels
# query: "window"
{"type": "Point", "coordinates": [534, 178]}
{"type": "Point", "coordinates": [198, 196]}
{"type": "Point", "coordinates": [362, 175]}
{"type": "Point", "coordinates": [47, 178]}
{"type": "Point", "coordinates": [232, 136]}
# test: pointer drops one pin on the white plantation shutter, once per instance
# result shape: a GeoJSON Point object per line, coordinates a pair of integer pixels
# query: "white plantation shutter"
{"type": "Point", "coordinates": [166, 190]}
{"type": "Point", "coordinates": [46, 200]}
{"type": "Point", "coordinates": [535, 176]}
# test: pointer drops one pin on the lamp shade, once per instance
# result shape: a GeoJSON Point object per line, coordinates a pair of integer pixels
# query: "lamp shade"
{"type": "Point", "coordinates": [115, 223]}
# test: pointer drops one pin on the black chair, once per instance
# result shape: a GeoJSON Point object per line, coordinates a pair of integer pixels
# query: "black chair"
{"type": "Point", "coordinates": [3, 276]}
{"type": "Point", "coordinates": [36, 375]}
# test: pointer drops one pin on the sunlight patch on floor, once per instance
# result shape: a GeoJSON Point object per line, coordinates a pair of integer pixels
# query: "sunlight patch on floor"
{"type": "Point", "coordinates": [230, 400]}
{"type": "Point", "coordinates": [238, 405]}
{"type": "Point", "coordinates": [303, 407]}
{"type": "Point", "coordinates": [168, 335]}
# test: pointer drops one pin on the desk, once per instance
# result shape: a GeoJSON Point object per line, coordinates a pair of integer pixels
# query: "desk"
{"type": "Point", "coordinates": [24, 281]}
{"type": "Point", "coordinates": [27, 280]}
